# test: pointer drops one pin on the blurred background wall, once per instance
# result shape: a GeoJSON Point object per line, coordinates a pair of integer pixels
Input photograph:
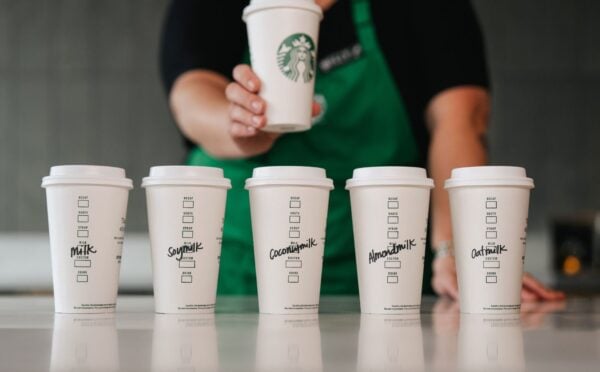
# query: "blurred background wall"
{"type": "Point", "coordinates": [79, 84]}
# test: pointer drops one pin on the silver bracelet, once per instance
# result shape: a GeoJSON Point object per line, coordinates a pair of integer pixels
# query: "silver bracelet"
{"type": "Point", "coordinates": [444, 249]}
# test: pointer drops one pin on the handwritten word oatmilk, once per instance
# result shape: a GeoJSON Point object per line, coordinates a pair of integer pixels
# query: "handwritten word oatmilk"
{"type": "Point", "coordinates": [489, 208]}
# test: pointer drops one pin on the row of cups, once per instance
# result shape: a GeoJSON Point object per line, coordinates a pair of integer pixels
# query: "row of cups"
{"type": "Point", "coordinates": [288, 204]}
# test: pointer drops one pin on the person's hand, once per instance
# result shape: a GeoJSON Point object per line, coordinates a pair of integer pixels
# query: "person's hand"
{"type": "Point", "coordinates": [533, 290]}
{"type": "Point", "coordinates": [445, 316]}
{"type": "Point", "coordinates": [444, 281]}
{"type": "Point", "coordinates": [247, 112]}
{"type": "Point", "coordinates": [533, 314]}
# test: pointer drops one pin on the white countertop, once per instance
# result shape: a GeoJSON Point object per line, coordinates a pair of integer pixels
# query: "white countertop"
{"type": "Point", "coordinates": [544, 337]}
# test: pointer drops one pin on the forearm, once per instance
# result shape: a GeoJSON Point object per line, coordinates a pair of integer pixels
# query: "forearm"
{"type": "Point", "coordinates": [457, 135]}
{"type": "Point", "coordinates": [450, 149]}
{"type": "Point", "coordinates": [200, 109]}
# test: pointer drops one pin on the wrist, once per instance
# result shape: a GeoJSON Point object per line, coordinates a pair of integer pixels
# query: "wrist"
{"type": "Point", "coordinates": [443, 249]}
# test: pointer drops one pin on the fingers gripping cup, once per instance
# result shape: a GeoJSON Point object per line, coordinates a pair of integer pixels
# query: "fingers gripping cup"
{"type": "Point", "coordinates": [489, 208]}
{"type": "Point", "coordinates": [186, 207]}
{"type": "Point", "coordinates": [288, 206]}
{"type": "Point", "coordinates": [282, 36]}
{"type": "Point", "coordinates": [86, 219]}
{"type": "Point", "coordinates": [389, 217]}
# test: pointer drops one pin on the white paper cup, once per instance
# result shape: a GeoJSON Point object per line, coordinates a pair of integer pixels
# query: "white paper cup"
{"type": "Point", "coordinates": [86, 219]}
{"type": "Point", "coordinates": [489, 208]}
{"type": "Point", "coordinates": [84, 343]}
{"type": "Point", "coordinates": [389, 217]}
{"type": "Point", "coordinates": [490, 343]}
{"type": "Point", "coordinates": [186, 207]}
{"type": "Point", "coordinates": [288, 343]}
{"type": "Point", "coordinates": [288, 207]}
{"type": "Point", "coordinates": [184, 343]}
{"type": "Point", "coordinates": [283, 36]}
{"type": "Point", "coordinates": [390, 343]}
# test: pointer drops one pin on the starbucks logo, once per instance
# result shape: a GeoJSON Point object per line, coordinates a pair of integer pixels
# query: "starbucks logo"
{"type": "Point", "coordinates": [296, 57]}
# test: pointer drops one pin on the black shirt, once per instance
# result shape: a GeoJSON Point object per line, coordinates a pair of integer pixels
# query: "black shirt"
{"type": "Point", "coordinates": [430, 45]}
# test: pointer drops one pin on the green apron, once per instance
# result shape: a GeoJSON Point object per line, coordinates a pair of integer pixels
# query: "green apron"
{"type": "Point", "coordinates": [365, 124]}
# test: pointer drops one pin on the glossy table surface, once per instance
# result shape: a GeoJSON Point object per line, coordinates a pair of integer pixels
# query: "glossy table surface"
{"type": "Point", "coordinates": [544, 337]}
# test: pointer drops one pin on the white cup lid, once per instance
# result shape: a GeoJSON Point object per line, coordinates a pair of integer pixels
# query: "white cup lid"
{"type": "Point", "coordinates": [256, 5]}
{"type": "Point", "coordinates": [177, 175]}
{"type": "Point", "coordinates": [489, 176]}
{"type": "Point", "coordinates": [87, 175]}
{"type": "Point", "coordinates": [289, 175]}
{"type": "Point", "coordinates": [389, 176]}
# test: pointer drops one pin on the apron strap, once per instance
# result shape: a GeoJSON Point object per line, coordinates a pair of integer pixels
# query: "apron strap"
{"type": "Point", "coordinates": [363, 22]}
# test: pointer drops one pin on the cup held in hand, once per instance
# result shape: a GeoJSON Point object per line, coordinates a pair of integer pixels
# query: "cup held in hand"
{"type": "Point", "coordinates": [283, 36]}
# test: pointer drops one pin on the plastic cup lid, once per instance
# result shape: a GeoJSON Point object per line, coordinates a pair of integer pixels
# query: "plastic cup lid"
{"type": "Point", "coordinates": [256, 5]}
{"type": "Point", "coordinates": [87, 175]}
{"type": "Point", "coordinates": [186, 175]}
{"type": "Point", "coordinates": [292, 176]}
{"type": "Point", "coordinates": [489, 176]}
{"type": "Point", "coordinates": [389, 176]}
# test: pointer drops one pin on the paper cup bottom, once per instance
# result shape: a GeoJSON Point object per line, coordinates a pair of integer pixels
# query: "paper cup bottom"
{"type": "Point", "coordinates": [159, 310]}
{"type": "Point", "coordinates": [70, 310]}
{"type": "Point", "coordinates": [286, 128]}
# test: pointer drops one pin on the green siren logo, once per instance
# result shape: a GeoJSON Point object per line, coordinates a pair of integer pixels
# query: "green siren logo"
{"type": "Point", "coordinates": [296, 57]}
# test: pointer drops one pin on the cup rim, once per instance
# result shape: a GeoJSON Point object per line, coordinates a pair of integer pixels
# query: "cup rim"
{"type": "Point", "coordinates": [526, 183]}
{"type": "Point", "coordinates": [254, 7]}
{"type": "Point", "coordinates": [324, 183]}
{"type": "Point", "coordinates": [426, 183]}
{"type": "Point", "coordinates": [209, 182]}
{"type": "Point", "coordinates": [64, 181]}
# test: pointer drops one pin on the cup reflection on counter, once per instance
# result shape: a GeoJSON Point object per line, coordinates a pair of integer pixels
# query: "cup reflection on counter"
{"type": "Point", "coordinates": [390, 343]}
{"type": "Point", "coordinates": [288, 342]}
{"type": "Point", "coordinates": [490, 343]}
{"type": "Point", "coordinates": [84, 343]}
{"type": "Point", "coordinates": [184, 343]}
{"type": "Point", "coordinates": [445, 321]}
